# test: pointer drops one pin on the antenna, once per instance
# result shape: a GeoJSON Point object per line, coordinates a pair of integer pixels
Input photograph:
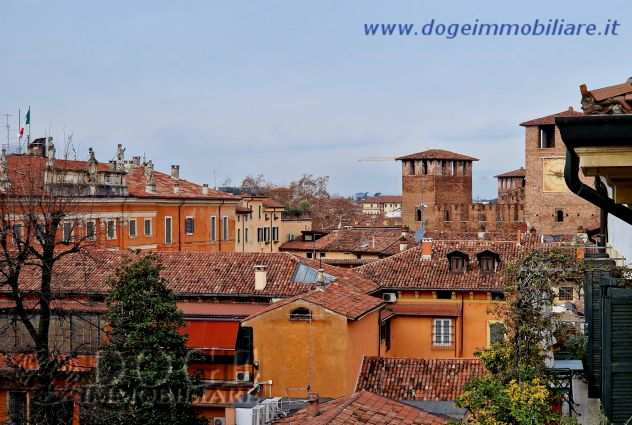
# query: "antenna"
{"type": "Point", "coordinates": [8, 126]}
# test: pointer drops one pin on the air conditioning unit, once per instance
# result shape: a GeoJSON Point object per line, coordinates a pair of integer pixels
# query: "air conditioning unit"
{"type": "Point", "coordinates": [242, 377]}
{"type": "Point", "coordinates": [389, 297]}
{"type": "Point", "coordinates": [219, 421]}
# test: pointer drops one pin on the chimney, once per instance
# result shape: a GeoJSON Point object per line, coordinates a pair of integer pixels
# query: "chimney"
{"type": "Point", "coordinates": [313, 405]}
{"type": "Point", "coordinates": [426, 249]}
{"type": "Point", "coordinates": [136, 161]}
{"type": "Point", "coordinates": [519, 237]}
{"type": "Point", "coordinates": [205, 189]}
{"type": "Point", "coordinates": [175, 171]}
{"type": "Point", "coordinates": [403, 242]}
{"type": "Point", "coordinates": [320, 277]}
{"type": "Point", "coordinates": [261, 277]}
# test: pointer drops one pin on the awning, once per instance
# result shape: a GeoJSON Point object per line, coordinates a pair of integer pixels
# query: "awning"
{"type": "Point", "coordinates": [212, 335]}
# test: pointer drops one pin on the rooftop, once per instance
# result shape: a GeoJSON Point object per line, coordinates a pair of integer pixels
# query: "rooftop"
{"type": "Point", "coordinates": [383, 199]}
{"type": "Point", "coordinates": [417, 379]}
{"type": "Point", "coordinates": [364, 407]}
{"type": "Point", "coordinates": [199, 274]}
{"type": "Point", "coordinates": [437, 154]}
{"type": "Point", "coordinates": [520, 172]}
{"type": "Point", "coordinates": [550, 119]}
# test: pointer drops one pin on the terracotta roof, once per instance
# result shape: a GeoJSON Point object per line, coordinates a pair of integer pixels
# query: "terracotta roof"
{"type": "Point", "coordinates": [165, 185]}
{"type": "Point", "coordinates": [520, 172]}
{"type": "Point", "coordinates": [550, 119]}
{"type": "Point", "coordinates": [364, 407]}
{"type": "Point", "coordinates": [271, 203]}
{"type": "Point", "coordinates": [384, 241]}
{"type": "Point", "coordinates": [437, 154]}
{"type": "Point", "coordinates": [334, 297]}
{"type": "Point", "coordinates": [383, 199]}
{"type": "Point", "coordinates": [418, 379]}
{"type": "Point", "coordinates": [408, 270]}
{"type": "Point", "coordinates": [195, 273]}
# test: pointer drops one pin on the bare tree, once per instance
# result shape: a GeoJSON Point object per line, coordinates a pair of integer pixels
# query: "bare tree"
{"type": "Point", "coordinates": [40, 223]}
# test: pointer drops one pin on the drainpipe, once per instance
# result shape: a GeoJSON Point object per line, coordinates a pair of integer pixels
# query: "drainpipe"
{"type": "Point", "coordinates": [179, 225]}
{"type": "Point", "coordinates": [571, 176]}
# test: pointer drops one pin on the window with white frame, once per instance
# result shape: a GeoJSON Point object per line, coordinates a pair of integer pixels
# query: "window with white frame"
{"type": "Point", "coordinates": [132, 228]}
{"type": "Point", "coordinates": [147, 227]}
{"type": "Point", "coordinates": [442, 332]}
{"type": "Point", "coordinates": [67, 229]}
{"type": "Point", "coordinates": [225, 228]}
{"type": "Point", "coordinates": [168, 230]}
{"type": "Point", "coordinates": [110, 227]}
{"type": "Point", "coordinates": [213, 228]}
{"type": "Point", "coordinates": [189, 225]}
{"type": "Point", "coordinates": [91, 230]}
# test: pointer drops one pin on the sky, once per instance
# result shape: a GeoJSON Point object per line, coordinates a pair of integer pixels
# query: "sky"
{"type": "Point", "coordinates": [286, 88]}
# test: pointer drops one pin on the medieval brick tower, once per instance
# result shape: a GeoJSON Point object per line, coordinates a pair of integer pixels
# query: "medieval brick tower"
{"type": "Point", "coordinates": [436, 188]}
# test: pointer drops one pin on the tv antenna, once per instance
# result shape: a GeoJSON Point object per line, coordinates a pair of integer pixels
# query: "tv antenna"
{"type": "Point", "coordinates": [8, 126]}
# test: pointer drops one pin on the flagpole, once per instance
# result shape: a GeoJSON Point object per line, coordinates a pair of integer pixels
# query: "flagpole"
{"type": "Point", "coordinates": [19, 129]}
{"type": "Point", "coordinates": [28, 138]}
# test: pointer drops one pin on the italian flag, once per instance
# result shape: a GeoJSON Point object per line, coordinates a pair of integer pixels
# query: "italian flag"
{"type": "Point", "coordinates": [27, 121]}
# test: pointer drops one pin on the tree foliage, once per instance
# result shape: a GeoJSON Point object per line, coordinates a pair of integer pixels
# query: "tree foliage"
{"type": "Point", "coordinates": [517, 390]}
{"type": "Point", "coordinates": [142, 375]}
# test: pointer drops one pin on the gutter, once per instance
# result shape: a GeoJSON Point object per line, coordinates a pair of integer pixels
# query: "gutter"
{"type": "Point", "coordinates": [596, 130]}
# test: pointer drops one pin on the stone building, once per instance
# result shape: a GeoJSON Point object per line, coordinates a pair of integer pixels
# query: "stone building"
{"type": "Point", "coordinates": [437, 194]}
{"type": "Point", "coordinates": [550, 207]}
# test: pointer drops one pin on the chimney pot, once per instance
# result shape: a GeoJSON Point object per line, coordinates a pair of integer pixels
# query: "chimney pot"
{"type": "Point", "coordinates": [313, 405]}
{"type": "Point", "coordinates": [426, 249]}
{"type": "Point", "coordinates": [175, 171]}
{"type": "Point", "coordinates": [205, 189]}
{"type": "Point", "coordinates": [261, 277]}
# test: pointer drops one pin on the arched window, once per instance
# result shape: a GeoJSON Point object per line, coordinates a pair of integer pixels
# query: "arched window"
{"type": "Point", "coordinates": [418, 214]}
{"type": "Point", "coordinates": [301, 313]}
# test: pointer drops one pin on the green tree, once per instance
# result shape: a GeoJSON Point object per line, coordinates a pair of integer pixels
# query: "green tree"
{"type": "Point", "coordinates": [142, 375]}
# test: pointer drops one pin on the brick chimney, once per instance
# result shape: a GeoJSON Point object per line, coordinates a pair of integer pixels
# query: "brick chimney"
{"type": "Point", "coordinates": [313, 405]}
{"type": "Point", "coordinates": [426, 249]}
{"type": "Point", "coordinates": [261, 277]}
{"type": "Point", "coordinates": [403, 242]}
{"type": "Point", "coordinates": [205, 189]}
{"type": "Point", "coordinates": [175, 171]}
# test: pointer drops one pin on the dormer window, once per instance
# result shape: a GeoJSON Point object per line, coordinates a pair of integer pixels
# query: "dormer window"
{"type": "Point", "coordinates": [301, 313]}
{"type": "Point", "coordinates": [488, 261]}
{"type": "Point", "coordinates": [458, 261]}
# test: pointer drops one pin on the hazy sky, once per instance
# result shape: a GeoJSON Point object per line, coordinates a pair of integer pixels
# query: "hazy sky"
{"type": "Point", "coordinates": [284, 88]}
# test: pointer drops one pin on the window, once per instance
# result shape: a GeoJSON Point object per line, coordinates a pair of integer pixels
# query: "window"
{"type": "Point", "coordinates": [245, 235]}
{"type": "Point", "coordinates": [17, 232]}
{"type": "Point", "coordinates": [189, 225]}
{"type": "Point", "coordinates": [385, 333]}
{"type": "Point", "coordinates": [147, 227]}
{"type": "Point", "coordinates": [266, 234]}
{"type": "Point", "coordinates": [301, 313]}
{"type": "Point", "coordinates": [559, 216]}
{"type": "Point", "coordinates": [418, 214]}
{"type": "Point", "coordinates": [238, 235]}
{"type": "Point", "coordinates": [444, 295]}
{"type": "Point", "coordinates": [17, 408]}
{"type": "Point", "coordinates": [446, 215]}
{"type": "Point", "coordinates": [309, 255]}
{"type": "Point", "coordinates": [132, 228]}
{"type": "Point", "coordinates": [91, 230]}
{"type": "Point", "coordinates": [458, 264]}
{"type": "Point", "coordinates": [168, 230]}
{"type": "Point", "coordinates": [259, 211]}
{"type": "Point", "coordinates": [547, 136]}
{"type": "Point", "coordinates": [322, 255]}
{"type": "Point", "coordinates": [442, 332]}
{"type": "Point", "coordinates": [565, 293]}
{"type": "Point", "coordinates": [213, 228]}
{"type": "Point", "coordinates": [498, 296]}
{"type": "Point", "coordinates": [496, 332]}
{"type": "Point", "coordinates": [225, 228]}
{"type": "Point", "coordinates": [111, 229]}
{"type": "Point", "coordinates": [67, 229]}
{"type": "Point", "coordinates": [487, 264]}
{"type": "Point", "coordinates": [275, 234]}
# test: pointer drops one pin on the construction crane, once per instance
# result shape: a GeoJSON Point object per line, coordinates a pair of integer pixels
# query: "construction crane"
{"type": "Point", "coordinates": [377, 159]}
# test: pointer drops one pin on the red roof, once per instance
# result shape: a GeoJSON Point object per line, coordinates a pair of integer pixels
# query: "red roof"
{"type": "Point", "coordinates": [408, 270]}
{"type": "Point", "coordinates": [195, 273]}
{"type": "Point", "coordinates": [383, 199]}
{"type": "Point", "coordinates": [364, 407]}
{"type": "Point", "coordinates": [334, 297]}
{"type": "Point", "coordinates": [437, 154]}
{"type": "Point", "coordinates": [550, 119]}
{"type": "Point", "coordinates": [520, 172]}
{"type": "Point", "coordinates": [418, 379]}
